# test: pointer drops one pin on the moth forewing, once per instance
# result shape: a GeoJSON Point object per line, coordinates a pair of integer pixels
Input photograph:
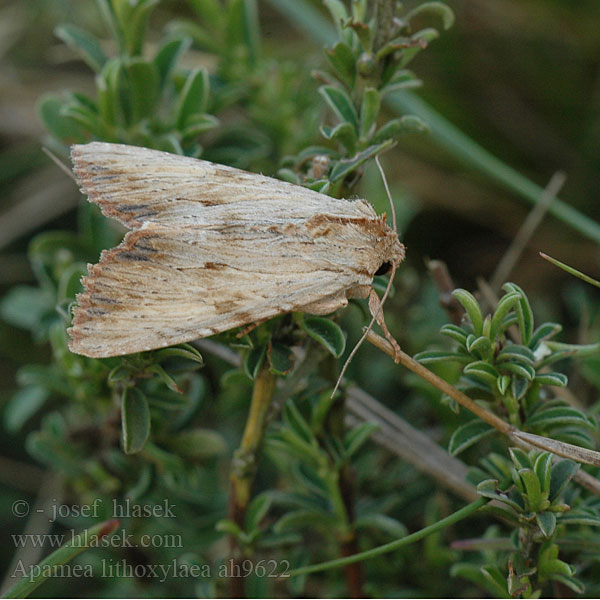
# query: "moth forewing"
{"type": "Point", "coordinates": [213, 248]}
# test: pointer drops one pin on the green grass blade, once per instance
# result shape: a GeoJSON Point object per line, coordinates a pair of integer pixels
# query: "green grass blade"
{"type": "Point", "coordinates": [40, 572]}
{"type": "Point", "coordinates": [571, 270]}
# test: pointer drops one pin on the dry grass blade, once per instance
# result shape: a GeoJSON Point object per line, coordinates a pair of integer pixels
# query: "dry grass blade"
{"type": "Point", "coordinates": [525, 233]}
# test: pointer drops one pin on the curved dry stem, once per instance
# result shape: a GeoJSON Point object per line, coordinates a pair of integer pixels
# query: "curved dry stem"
{"type": "Point", "coordinates": [522, 439]}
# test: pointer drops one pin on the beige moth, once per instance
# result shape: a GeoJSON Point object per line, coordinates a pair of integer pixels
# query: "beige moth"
{"type": "Point", "coordinates": [212, 248]}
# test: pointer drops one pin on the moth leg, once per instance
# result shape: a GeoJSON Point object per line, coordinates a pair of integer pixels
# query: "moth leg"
{"type": "Point", "coordinates": [377, 313]}
{"type": "Point", "coordinates": [325, 306]}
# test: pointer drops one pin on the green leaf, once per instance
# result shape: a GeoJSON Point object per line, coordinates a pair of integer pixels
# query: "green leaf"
{"type": "Point", "coordinates": [521, 370]}
{"type": "Point", "coordinates": [326, 332]}
{"type": "Point", "coordinates": [417, 43]}
{"type": "Point", "coordinates": [438, 9]}
{"type": "Point", "coordinates": [546, 521]}
{"type": "Point", "coordinates": [132, 21]}
{"type": "Point", "coordinates": [476, 575]}
{"type": "Point", "coordinates": [549, 566]}
{"type": "Point", "coordinates": [516, 352]}
{"type": "Point", "coordinates": [345, 166]}
{"type": "Point", "coordinates": [24, 306]}
{"type": "Point", "coordinates": [209, 11]}
{"type": "Point", "coordinates": [297, 423]}
{"type": "Point", "coordinates": [559, 416]}
{"type": "Point", "coordinates": [432, 357]}
{"type": "Point", "coordinates": [502, 384]}
{"type": "Point", "coordinates": [143, 484]}
{"type": "Point", "coordinates": [467, 435]}
{"type": "Point", "coordinates": [480, 346]}
{"type": "Point", "coordinates": [579, 516]}
{"type": "Point", "coordinates": [69, 283]}
{"type": "Point", "coordinates": [23, 405]}
{"type": "Point", "coordinates": [531, 489]}
{"type": "Point", "coordinates": [369, 111]}
{"type": "Point", "coordinates": [483, 372]}
{"type": "Point", "coordinates": [472, 308]}
{"type": "Point", "coordinates": [185, 351]}
{"type": "Point", "coordinates": [242, 32]}
{"type": "Point", "coordinates": [108, 82]}
{"type": "Point", "coordinates": [254, 360]}
{"type": "Point", "coordinates": [392, 528]}
{"type": "Point", "coordinates": [577, 437]}
{"type": "Point", "coordinates": [455, 332]}
{"type": "Point", "coordinates": [156, 369]}
{"type": "Point", "coordinates": [519, 387]}
{"type": "Point", "coordinates": [524, 313]}
{"type": "Point", "coordinates": [396, 128]}
{"type": "Point", "coordinates": [197, 124]}
{"type": "Point", "coordinates": [338, 12]}
{"type": "Point", "coordinates": [289, 443]}
{"type": "Point", "coordinates": [301, 519]}
{"type": "Point", "coordinates": [489, 489]}
{"type": "Point", "coordinates": [62, 128]}
{"type": "Point", "coordinates": [344, 132]}
{"type": "Point", "coordinates": [505, 305]}
{"type": "Point", "coordinates": [571, 582]}
{"type": "Point", "coordinates": [543, 332]}
{"type": "Point", "coordinates": [84, 43]}
{"type": "Point", "coordinates": [167, 56]}
{"type": "Point", "coordinates": [343, 61]}
{"type": "Point", "coordinates": [340, 103]}
{"type": "Point", "coordinates": [543, 469]}
{"type": "Point", "coordinates": [520, 458]}
{"type": "Point", "coordinates": [280, 358]}
{"type": "Point", "coordinates": [193, 98]}
{"type": "Point", "coordinates": [401, 79]}
{"type": "Point", "coordinates": [257, 510]}
{"type": "Point", "coordinates": [200, 36]}
{"type": "Point", "coordinates": [232, 528]}
{"type": "Point", "coordinates": [197, 444]}
{"type": "Point", "coordinates": [135, 420]}
{"type": "Point", "coordinates": [562, 472]}
{"type": "Point", "coordinates": [555, 379]}
{"type": "Point", "coordinates": [357, 437]}
{"type": "Point", "coordinates": [496, 581]}
{"type": "Point", "coordinates": [86, 118]}
{"type": "Point", "coordinates": [143, 83]}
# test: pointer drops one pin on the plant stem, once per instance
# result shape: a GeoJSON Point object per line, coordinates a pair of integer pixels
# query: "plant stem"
{"type": "Point", "coordinates": [244, 465]}
{"type": "Point", "coordinates": [384, 16]}
{"type": "Point", "coordinates": [342, 488]}
{"type": "Point", "coordinates": [409, 539]}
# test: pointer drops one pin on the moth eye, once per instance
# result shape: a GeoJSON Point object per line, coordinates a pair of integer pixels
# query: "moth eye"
{"type": "Point", "coordinates": [384, 268]}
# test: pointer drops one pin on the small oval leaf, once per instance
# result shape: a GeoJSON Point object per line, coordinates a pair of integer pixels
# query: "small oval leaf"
{"type": "Point", "coordinates": [135, 420]}
{"type": "Point", "coordinates": [327, 333]}
{"type": "Point", "coordinates": [467, 435]}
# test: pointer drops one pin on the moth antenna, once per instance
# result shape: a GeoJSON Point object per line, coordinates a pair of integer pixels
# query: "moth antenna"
{"type": "Point", "coordinates": [389, 195]}
{"type": "Point", "coordinates": [385, 295]}
{"type": "Point", "coordinates": [366, 332]}
{"type": "Point", "coordinates": [59, 163]}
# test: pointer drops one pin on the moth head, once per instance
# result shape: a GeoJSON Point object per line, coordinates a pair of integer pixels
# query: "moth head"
{"type": "Point", "coordinates": [392, 252]}
{"type": "Point", "coordinates": [384, 268]}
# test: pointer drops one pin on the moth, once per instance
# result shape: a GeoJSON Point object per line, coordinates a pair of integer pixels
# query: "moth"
{"type": "Point", "coordinates": [212, 248]}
